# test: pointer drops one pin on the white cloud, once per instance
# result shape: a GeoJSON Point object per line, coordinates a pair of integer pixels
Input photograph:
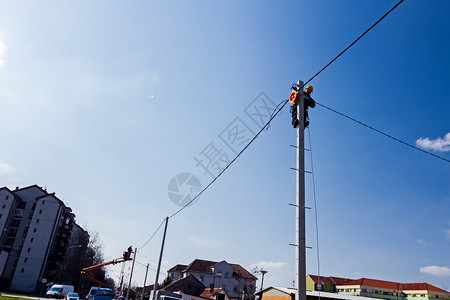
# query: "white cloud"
{"type": "Point", "coordinates": [3, 49]}
{"type": "Point", "coordinates": [439, 144]}
{"type": "Point", "coordinates": [6, 169]}
{"type": "Point", "coordinates": [269, 265]}
{"type": "Point", "coordinates": [435, 270]}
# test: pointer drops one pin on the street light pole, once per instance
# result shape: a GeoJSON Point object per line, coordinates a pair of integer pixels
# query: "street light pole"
{"type": "Point", "coordinates": [263, 272]}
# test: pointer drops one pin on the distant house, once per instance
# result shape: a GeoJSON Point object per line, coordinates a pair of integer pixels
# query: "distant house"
{"type": "Point", "coordinates": [190, 288]}
{"type": "Point", "coordinates": [236, 281]}
{"type": "Point", "coordinates": [324, 283]}
{"type": "Point", "coordinates": [391, 290]}
{"type": "Point", "coordinates": [374, 288]}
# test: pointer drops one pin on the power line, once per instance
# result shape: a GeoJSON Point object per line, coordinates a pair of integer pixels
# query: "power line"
{"type": "Point", "coordinates": [354, 42]}
{"type": "Point", "coordinates": [274, 115]}
{"type": "Point", "coordinates": [153, 234]}
{"type": "Point", "coordinates": [230, 163]}
{"type": "Point", "coordinates": [383, 133]}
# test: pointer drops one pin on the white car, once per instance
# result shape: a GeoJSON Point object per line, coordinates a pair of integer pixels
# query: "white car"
{"type": "Point", "coordinates": [72, 296]}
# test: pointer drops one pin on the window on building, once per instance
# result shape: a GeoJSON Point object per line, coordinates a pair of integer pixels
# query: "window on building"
{"type": "Point", "coordinates": [7, 197]}
{"type": "Point", "coordinates": [37, 220]}
{"type": "Point", "coordinates": [4, 205]}
{"type": "Point", "coordinates": [34, 230]}
{"type": "Point", "coordinates": [40, 211]}
{"type": "Point", "coordinates": [202, 278]}
{"type": "Point", "coordinates": [1, 216]}
{"type": "Point", "coordinates": [25, 260]}
{"type": "Point", "coordinates": [227, 275]}
{"type": "Point", "coordinates": [43, 202]}
{"type": "Point", "coordinates": [32, 239]}
{"type": "Point", "coordinates": [22, 270]}
{"type": "Point", "coordinates": [22, 241]}
{"type": "Point", "coordinates": [28, 249]}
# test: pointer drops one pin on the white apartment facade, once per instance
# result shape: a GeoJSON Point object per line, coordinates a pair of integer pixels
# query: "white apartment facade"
{"type": "Point", "coordinates": [36, 228]}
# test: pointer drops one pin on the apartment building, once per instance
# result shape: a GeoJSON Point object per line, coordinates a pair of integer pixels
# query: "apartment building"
{"type": "Point", "coordinates": [36, 229]}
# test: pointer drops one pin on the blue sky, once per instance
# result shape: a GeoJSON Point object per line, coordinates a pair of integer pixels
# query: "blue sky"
{"type": "Point", "coordinates": [105, 102]}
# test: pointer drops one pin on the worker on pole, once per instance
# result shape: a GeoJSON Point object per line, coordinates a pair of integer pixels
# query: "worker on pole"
{"type": "Point", "coordinates": [308, 102]}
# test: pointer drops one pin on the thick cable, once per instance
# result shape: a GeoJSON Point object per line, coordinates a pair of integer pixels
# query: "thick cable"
{"type": "Point", "coordinates": [229, 164]}
{"type": "Point", "coordinates": [354, 42]}
{"type": "Point", "coordinates": [153, 234]}
{"type": "Point", "coordinates": [383, 133]}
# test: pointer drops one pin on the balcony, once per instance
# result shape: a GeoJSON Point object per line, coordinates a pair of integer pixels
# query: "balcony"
{"type": "Point", "coordinates": [18, 213]}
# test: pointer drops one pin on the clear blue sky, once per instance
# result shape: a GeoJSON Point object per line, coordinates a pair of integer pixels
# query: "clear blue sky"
{"type": "Point", "coordinates": [105, 102]}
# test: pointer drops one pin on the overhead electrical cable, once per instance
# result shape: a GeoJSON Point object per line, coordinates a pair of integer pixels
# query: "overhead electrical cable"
{"type": "Point", "coordinates": [153, 234]}
{"type": "Point", "coordinates": [383, 133]}
{"type": "Point", "coordinates": [354, 42]}
{"type": "Point", "coordinates": [277, 111]}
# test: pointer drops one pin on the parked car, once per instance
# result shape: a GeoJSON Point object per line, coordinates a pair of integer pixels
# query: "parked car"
{"type": "Point", "coordinates": [103, 294]}
{"type": "Point", "coordinates": [72, 296]}
{"type": "Point", "coordinates": [59, 291]}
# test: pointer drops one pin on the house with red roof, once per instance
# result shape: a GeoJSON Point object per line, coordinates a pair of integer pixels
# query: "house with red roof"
{"type": "Point", "coordinates": [374, 288]}
{"type": "Point", "coordinates": [235, 280]}
{"type": "Point", "coordinates": [391, 290]}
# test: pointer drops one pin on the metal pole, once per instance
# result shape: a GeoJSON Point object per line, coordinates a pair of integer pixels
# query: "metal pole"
{"type": "Point", "coordinates": [155, 287]}
{"type": "Point", "coordinates": [300, 215]}
{"type": "Point", "coordinates": [145, 279]}
{"type": "Point", "coordinates": [131, 274]}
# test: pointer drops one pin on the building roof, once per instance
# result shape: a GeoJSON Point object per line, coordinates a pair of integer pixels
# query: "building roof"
{"type": "Point", "coordinates": [395, 285]}
{"type": "Point", "coordinates": [374, 283]}
{"type": "Point", "coordinates": [323, 295]}
{"type": "Point", "coordinates": [241, 272]}
{"type": "Point", "coordinates": [206, 266]}
{"type": "Point", "coordinates": [200, 265]}
{"type": "Point", "coordinates": [329, 279]}
{"type": "Point", "coordinates": [209, 294]}
{"type": "Point", "coordinates": [178, 268]}
{"type": "Point", "coordinates": [188, 285]}
{"type": "Point", "coordinates": [422, 286]}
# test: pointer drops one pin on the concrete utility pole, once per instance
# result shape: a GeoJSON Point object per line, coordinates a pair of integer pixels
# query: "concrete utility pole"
{"type": "Point", "coordinates": [155, 287]}
{"type": "Point", "coordinates": [145, 279]}
{"type": "Point", "coordinates": [131, 274]}
{"type": "Point", "coordinates": [300, 257]}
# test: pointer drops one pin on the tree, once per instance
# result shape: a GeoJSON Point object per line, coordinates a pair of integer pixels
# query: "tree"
{"type": "Point", "coordinates": [165, 282]}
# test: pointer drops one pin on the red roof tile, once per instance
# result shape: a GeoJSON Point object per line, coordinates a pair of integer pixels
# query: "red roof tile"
{"type": "Point", "coordinates": [374, 283]}
{"type": "Point", "coordinates": [422, 286]}
{"type": "Point", "coordinates": [200, 265]}
{"type": "Point", "coordinates": [241, 272]}
{"type": "Point", "coordinates": [329, 279]}
{"type": "Point", "coordinates": [208, 294]}
{"type": "Point", "coordinates": [178, 268]}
